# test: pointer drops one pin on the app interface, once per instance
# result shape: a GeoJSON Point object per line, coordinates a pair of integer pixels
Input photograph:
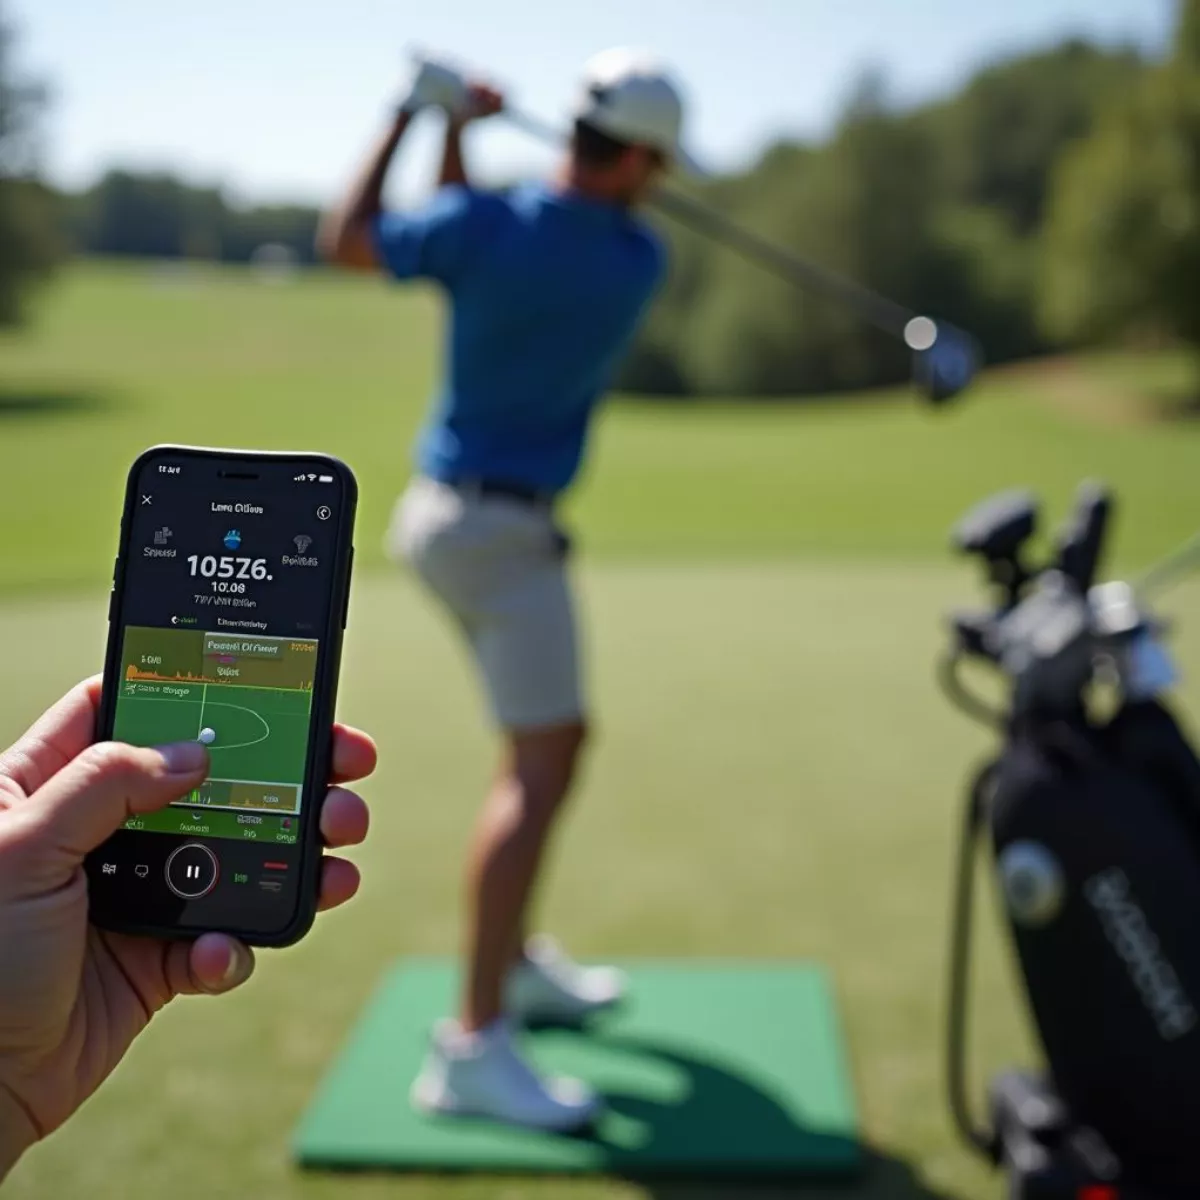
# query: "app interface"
{"type": "Point", "coordinates": [226, 599]}
{"type": "Point", "coordinates": [248, 699]}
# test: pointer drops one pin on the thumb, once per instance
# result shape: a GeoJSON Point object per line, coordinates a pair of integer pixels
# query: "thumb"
{"type": "Point", "coordinates": [107, 783]}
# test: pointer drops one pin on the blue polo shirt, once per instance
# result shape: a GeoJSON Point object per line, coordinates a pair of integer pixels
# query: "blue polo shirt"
{"type": "Point", "coordinates": [546, 290]}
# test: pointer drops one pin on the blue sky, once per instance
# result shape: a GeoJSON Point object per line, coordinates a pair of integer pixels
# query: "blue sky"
{"type": "Point", "coordinates": [278, 98]}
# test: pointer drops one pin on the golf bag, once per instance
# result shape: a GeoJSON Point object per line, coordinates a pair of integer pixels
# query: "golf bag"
{"type": "Point", "coordinates": [1092, 814]}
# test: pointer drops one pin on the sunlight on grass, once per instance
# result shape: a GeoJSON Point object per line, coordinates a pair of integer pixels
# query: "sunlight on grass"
{"type": "Point", "coordinates": [774, 774]}
{"type": "Point", "coordinates": [346, 366]}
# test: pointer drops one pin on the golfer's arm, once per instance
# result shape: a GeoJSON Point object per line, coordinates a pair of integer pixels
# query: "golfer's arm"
{"type": "Point", "coordinates": [454, 170]}
{"type": "Point", "coordinates": [344, 234]}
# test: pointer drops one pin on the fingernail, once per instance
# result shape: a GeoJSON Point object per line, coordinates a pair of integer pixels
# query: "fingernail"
{"type": "Point", "coordinates": [183, 758]}
{"type": "Point", "coordinates": [241, 963]}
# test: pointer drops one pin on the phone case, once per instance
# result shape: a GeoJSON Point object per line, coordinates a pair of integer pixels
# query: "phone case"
{"type": "Point", "coordinates": [325, 685]}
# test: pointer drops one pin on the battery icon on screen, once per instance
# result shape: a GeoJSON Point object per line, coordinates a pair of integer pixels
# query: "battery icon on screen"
{"type": "Point", "coordinates": [324, 478]}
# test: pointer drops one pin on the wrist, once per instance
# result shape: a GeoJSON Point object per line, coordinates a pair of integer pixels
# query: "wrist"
{"type": "Point", "coordinates": [17, 1130]}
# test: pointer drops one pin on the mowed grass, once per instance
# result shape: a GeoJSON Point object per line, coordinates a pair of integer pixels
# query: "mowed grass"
{"type": "Point", "coordinates": [774, 775]}
{"type": "Point", "coordinates": [125, 356]}
{"type": "Point", "coordinates": [774, 772]}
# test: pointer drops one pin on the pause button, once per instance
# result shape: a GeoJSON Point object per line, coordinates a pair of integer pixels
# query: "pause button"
{"type": "Point", "coordinates": [192, 871]}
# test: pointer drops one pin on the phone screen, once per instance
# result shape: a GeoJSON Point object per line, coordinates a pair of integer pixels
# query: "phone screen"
{"type": "Point", "coordinates": [222, 624]}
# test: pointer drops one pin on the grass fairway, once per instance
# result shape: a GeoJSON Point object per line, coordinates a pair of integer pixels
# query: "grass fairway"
{"type": "Point", "coordinates": [774, 772]}
{"type": "Point", "coordinates": [122, 357]}
{"type": "Point", "coordinates": [775, 775]}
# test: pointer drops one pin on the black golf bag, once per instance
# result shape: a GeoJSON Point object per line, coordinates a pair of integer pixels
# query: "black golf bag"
{"type": "Point", "coordinates": [1093, 814]}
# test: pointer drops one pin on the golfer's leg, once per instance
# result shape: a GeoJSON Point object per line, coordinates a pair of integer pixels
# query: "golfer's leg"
{"type": "Point", "coordinates": [510, 837]}
{"type": "Point", "coordinates": [527, 651]}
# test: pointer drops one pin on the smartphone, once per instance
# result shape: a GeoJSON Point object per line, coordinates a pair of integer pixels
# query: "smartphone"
{"type": "Point", "coordinates": [230, 595]}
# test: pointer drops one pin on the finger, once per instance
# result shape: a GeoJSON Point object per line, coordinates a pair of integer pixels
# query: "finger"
{"type": "Point", "coordinates": [108, 783]}
{"type": "Point", "coordinates": [354, 754]}
{"type": "Point", "coordinates": [344, 818]}
{"type": "Point", "coordinates": [213, 963]}
{"type": "Point", "coordinates": [54, 739]}
{"type": "Point", "coordinates": [339, 882]}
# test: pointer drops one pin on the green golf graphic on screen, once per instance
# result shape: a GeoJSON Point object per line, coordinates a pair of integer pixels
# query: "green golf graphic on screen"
{"type": "Point", "coordinates": [247, 698]}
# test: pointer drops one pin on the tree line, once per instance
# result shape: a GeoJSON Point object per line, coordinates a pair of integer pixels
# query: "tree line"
{"type": "Point", "coordinates": [125, 213]}
{"type": "Point", "coordinates": [1053, 201]}
{"type": "Point", "coordinates": [159, 216]}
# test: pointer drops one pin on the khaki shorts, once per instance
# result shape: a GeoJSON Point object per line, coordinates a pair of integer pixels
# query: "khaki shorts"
{"type": "Point", "coordinates": [499, 567]}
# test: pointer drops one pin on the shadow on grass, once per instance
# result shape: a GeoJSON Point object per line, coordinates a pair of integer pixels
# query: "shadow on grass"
{"type": "Point", "coordinates": [17, 403]}
{"type": "Point", "coordinates": [726, 1116]}
{"type": "Point", "coordinates": [1171, 393]}
{"type": "Point", "coordinates": [720, 1136]}
{"type": "Point", "coordinates": [1173, 404]}
{"type": "Point", "coordinates": [882, 1177]}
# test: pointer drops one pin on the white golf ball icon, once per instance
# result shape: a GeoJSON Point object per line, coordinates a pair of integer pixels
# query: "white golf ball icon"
{"type": "Point", "coordinates": [208, 736]}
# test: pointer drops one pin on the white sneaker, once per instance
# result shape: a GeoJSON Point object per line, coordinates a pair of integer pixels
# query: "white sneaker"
{"type": "Point", "coordinates": [482, 1075]}
{"type": "Point", "coordinates": [546, 986]}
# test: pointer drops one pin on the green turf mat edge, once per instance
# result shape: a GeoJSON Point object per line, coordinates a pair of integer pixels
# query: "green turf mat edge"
{"type": "Point", "coordinates": [482, 1147]}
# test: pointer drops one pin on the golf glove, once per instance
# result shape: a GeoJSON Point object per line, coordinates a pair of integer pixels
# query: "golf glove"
{"type": "Point", "coordinates": [433, 84]}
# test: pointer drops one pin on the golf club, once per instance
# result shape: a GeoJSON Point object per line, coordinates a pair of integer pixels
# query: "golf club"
{"type": "Point", "coordinates": [945, 358]}
{"type": "Point", "coordinates": [1170, 570]}
{"type": "Point", "coordinates": [1076, 800]}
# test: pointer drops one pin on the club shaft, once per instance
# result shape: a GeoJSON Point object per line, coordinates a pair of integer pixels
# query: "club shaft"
{"type": "Point", "coordinates": [1170, 569]}
{"type": "Point", "coordinates": [877, 310]}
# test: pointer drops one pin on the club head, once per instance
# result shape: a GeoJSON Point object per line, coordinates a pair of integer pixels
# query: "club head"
{"type": "Point", "coordinates": [945, 359]}
{"type": "Point", "coordinates": [997, 527]}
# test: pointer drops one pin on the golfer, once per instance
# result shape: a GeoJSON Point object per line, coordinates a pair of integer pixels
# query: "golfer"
{"type": "Point", "coordinates": [547, 284]}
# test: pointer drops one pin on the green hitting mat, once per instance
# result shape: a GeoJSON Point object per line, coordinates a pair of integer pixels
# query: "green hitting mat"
{"type": "Point", "coordinates": [711, 1069]}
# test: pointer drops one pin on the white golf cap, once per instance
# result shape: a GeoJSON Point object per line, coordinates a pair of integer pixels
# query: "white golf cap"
{"type": "Point", "coordinates": [628, 93]}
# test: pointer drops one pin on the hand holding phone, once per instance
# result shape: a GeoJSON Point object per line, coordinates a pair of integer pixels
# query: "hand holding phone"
{"type": "Point", "coordinates": [73, 998]}
{"type": "Point", "coordinates": [230, 595]}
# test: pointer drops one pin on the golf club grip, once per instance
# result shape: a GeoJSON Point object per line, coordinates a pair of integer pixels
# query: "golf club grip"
{"type": "Point", "coordinates": [878, 310]}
